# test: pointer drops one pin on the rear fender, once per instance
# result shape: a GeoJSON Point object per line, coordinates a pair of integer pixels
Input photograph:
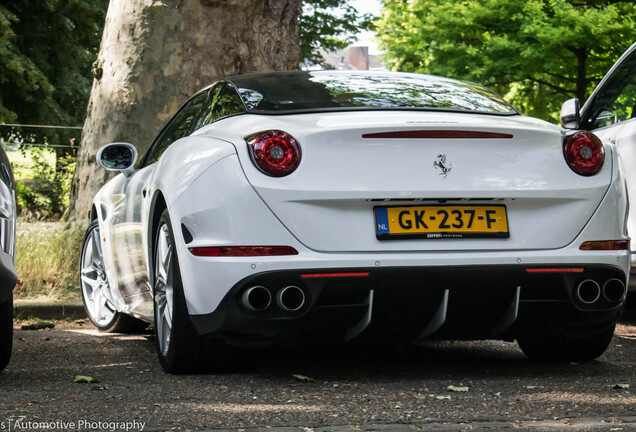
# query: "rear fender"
{"type": "Point", "coordinates": [180, 165]}
{"type": "Point", "coordinates": [184, 161]}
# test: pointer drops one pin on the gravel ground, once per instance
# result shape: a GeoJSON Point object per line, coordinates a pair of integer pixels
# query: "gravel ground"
{"type": "Point", "coordinates": [367, 388]}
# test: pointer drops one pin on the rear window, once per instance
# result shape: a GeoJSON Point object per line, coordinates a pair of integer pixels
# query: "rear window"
{"type": "Point", "coordinates": [289, 92]}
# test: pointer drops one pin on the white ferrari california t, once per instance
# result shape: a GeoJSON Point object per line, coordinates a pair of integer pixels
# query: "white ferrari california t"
{"type": "Point", "coordinates": [300, 207]}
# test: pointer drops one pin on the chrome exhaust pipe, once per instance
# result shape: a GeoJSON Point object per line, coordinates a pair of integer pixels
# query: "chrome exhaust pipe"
{"type": "Point", "coordinates": [614, 290]}
{"type": "Point", "coordinates": [588, 291]}
{"type": "Point", "coordinates": [291, 298]}
{"type": "Point", "coordinates": [256, 299]}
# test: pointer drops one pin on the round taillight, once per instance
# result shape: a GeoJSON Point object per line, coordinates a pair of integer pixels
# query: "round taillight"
{"type": "Point", "coordinates": [584, 152]}
{"type": "Point", "coordinates": [274, 152]}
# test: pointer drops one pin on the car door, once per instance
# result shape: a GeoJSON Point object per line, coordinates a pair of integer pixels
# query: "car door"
{"type": "Point", "coordinates": [128, 233]}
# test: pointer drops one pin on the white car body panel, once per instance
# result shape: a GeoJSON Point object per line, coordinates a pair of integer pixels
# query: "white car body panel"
{"type": "Point", "coordinates": [219, 206]}
{"type": "Point", "coordinates": [547, 205]}
{"type": "Point", "coordinates": [216, 196]}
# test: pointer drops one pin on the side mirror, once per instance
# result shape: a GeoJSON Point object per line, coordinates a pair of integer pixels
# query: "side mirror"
{"type": "Point", "coordinates": [570, 114]}
{"type": "Point", "coordinates": [118, 157]}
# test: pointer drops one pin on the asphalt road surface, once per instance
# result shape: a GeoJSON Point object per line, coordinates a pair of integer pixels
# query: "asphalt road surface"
{"type": "Point", "coordinates": [379, 388]}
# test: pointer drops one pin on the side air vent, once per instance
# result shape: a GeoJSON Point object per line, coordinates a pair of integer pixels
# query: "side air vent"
{"type": "Point", "coordinates": [187, 236]}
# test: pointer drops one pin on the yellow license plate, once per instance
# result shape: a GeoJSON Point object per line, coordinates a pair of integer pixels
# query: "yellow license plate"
{"type": "Point", "coordinates": [442, 221]}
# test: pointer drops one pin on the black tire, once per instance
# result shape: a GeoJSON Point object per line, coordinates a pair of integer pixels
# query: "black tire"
{"type": "Point", "coordinates": [112, 321]}
{"type": "Point", "coordinates": [6, 332]}
{"type": "Point", "coordinates": [180, 348]}
{"type": "Point", "coordinates": [548, 347]}
{"type": "Point", "coordinates": [629, 313]}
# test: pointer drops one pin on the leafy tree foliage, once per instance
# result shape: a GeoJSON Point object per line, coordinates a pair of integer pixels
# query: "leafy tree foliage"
{"type": "Point", "coordinates": [535, 52]}
{"type": "Point", "coordinates": [47, 48]}
{"type": "Point", "coordinates": [328, 25]}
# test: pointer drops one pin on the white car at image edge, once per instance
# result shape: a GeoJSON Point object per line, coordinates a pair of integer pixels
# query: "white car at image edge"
{"type": "Point", "coordinates": [304, 207]}
{"type": "Point", "coordinates": [610, 113]}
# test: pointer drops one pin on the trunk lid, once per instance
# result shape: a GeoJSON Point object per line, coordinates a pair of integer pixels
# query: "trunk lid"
{"type": "Point", "coordinates": [328, 202]}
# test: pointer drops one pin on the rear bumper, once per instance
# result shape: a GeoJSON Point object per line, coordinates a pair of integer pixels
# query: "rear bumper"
{"type": "Point", "coordinates": [415, 303]}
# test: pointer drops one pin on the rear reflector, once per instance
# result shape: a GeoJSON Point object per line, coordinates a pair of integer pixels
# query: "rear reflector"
{"type": "Point", "coordinates": [242, 251]}
{"type": "Point", "coordinates": [555, 270]}
{"type": "Point", "coordinates": [438, 134]}
{"type": "Point", "coordinates": [605, 245]}
{"type": "Point", "coordinates": [333, 275]}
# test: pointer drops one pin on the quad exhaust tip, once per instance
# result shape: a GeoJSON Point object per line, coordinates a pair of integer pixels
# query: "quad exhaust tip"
{"type": "Point", "coordinates": [291, 298]}
{"type": "Point", "coordinates": [588, 291]}
{"type": "Point", "coordinates": [614, 290]}
{"type": "Point", "coordinates": [257, 298]}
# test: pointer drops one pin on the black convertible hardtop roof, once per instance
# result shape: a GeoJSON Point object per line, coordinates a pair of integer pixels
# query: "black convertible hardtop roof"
{"type": "Point", "coordinates": [310, 91]}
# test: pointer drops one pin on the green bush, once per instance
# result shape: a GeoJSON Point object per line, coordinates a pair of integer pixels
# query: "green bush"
{"type": "Point", "coordinates": [43, 190]}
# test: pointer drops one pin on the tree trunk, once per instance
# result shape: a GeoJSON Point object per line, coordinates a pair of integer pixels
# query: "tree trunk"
{"type": "Point", "coordinates": [154, 54]}
{"type": "Point", "coordinates": [581, 78]}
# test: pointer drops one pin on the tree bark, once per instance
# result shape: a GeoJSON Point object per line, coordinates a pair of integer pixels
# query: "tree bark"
{"type": "Point", "coordinates": [581, 79]}
{"type": "Point", "coordinates": [154, 54]}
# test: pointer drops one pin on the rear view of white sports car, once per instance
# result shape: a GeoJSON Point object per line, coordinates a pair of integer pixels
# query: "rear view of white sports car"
{"type": "Point", "coordinates": [301, 207]}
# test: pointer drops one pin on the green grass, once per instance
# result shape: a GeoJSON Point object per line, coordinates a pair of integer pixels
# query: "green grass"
{"type": "Point", "coordinates": [47, 260]}
{"type": "Point", "coordinates": [22, 162]}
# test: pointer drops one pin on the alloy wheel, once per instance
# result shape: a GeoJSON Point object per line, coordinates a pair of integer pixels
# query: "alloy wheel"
{"type": "Point", "coordinates": [164, 288]}
{"type": "Point", "coordinates": [95, 288]}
